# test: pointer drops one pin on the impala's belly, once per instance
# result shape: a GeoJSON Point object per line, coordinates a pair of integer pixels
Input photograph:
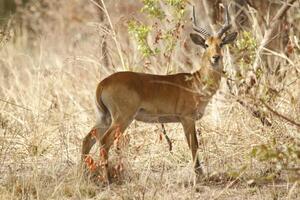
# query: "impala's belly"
{"type": "Point", "coordinates": [144, 116]}
{"type": "Point", "coordinates": [168, 113]}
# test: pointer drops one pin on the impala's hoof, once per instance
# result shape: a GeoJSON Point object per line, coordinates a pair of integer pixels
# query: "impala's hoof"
{"type": "Point", "coordinates": [199, 171]}
{"type": "Point", "coordinates": [198, 168]}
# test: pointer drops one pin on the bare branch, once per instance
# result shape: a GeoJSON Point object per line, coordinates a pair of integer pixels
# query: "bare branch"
{"type": "Point", "coordinates": [269, 31]}
{"type": "Point", "coordinates": [255, 112]}
{"type": "Point", "coordinates": [279, 115]}
{"type": "Point", "coordinates": [16, 105]}
{"type": "Point", "coordinates": [114, 35]}
{"type": "Point", "coordinates": [166, 136]}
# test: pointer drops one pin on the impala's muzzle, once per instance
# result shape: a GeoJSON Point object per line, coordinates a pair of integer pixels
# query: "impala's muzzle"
{"type": "Point", "coordinates": [215, 59]}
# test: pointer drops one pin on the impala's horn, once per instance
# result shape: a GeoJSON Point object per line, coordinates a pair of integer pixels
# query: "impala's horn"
{"type": "Point", "coordinates": [199, 29]}
{"type": "Point", "coordinates": [226, 26]}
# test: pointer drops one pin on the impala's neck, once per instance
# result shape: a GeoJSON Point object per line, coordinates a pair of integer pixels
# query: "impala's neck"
{"type": "Point", "coordinates": [208, 77]}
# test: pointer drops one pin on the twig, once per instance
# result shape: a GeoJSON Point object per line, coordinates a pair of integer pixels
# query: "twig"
{"type": "Point", "coordinates": [104, 49]}
{"type": "Point", "coordinates": [268, 34]}
{"type": "Point", "coordinates": [251, 108]}
{"type": "Point", "coordinates": [255, 112]}
{"type": "Point", "coordinates": [166, 136]}
{"type": "Point", "coordinates": [112, 30]}
{"type": "Point", "coordinates": [279, 115]}
{"type": "Point", "coordinates": [230, 184]}
{"type": "Point", "coordinates": [258, 115]}
{"type": "Point", "coordinates": [15, 105]}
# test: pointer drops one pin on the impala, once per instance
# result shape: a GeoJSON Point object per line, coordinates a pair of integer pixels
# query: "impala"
{"type": "Point", "coordinates": [183, 97]}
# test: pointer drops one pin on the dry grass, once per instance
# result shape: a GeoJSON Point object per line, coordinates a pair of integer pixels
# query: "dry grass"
{"type": "Point", "coordinates": [47, 95]}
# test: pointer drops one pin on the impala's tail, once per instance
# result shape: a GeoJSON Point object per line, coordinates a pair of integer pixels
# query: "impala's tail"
{"type": "Point", "coordinates": [101, 108]}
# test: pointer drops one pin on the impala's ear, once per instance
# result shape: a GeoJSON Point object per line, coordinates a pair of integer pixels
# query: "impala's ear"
{"type": "Point", "coordinates": [229, 38]}
{"type": "Point", "coordinates": [197, 39]}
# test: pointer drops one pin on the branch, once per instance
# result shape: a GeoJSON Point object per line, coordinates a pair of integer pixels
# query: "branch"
{"type": "Point", "coordinates": [104, 48]}
{"type": "Point", "coordinates": [166, 136]}
{"type": "Point", "coordinates": [255, 112]}
{"type": "Point", "coordinates": [113, 33]}
{"type": "Point", "coordinates": [16, 105]}
{"type": "Point", "coordinates": [279, 115]}
{"type": "Point", "coordinates": [252, 107]}
{"type": "Point", "coordinates": [268, 34]}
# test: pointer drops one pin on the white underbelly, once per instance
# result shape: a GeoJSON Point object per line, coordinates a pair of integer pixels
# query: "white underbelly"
{"type": "Point", "coordinates": [157, 118]}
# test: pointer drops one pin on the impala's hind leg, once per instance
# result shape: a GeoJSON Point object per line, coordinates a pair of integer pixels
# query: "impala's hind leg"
{"type": "Point", "coordinates": [96, 133]}
{"type": "Point", "coordinates": [118, 125]}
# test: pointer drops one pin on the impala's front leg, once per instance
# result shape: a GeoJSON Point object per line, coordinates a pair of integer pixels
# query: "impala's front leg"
{"type": "Point", "coordinates": [188, 124]}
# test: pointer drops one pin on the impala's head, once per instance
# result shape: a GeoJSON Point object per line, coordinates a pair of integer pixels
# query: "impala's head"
{"type": "Point", "coordinates": [213, 43]}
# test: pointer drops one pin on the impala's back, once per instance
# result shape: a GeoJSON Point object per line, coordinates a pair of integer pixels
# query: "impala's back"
{"type": "Point", "coordinates": [153, 98]}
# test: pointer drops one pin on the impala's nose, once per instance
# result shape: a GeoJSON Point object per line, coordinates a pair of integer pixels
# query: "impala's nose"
{"type": "Point", "coordinates": [216, 58]}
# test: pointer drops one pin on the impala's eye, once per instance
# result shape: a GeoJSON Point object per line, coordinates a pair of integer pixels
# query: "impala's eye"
{"type": "Point", "coordinates": [205, 45]}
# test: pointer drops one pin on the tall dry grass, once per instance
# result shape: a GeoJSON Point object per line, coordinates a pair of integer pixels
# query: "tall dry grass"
{"type": "Point", "coordinates": [48, 80]}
